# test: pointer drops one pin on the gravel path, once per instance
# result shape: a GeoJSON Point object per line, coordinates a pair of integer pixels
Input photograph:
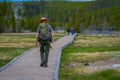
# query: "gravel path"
{"type": "Point", "coordinates": [28, 67]}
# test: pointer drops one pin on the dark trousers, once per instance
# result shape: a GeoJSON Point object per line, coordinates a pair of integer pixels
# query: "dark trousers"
{"type": "Point", "coordinates": [44, 51]}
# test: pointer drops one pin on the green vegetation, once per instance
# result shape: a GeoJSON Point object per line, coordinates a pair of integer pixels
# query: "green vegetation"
{"type": "Point", "coordinates": [13, 45]}
{"type": "Point", "coordinates": [80, 15]}
{"type": "Point", "coordinates": [89, 49]}
{"type": "Point", "coordinates": [9, 53]}
{"type": "Point", "coordinates": [103, 75]}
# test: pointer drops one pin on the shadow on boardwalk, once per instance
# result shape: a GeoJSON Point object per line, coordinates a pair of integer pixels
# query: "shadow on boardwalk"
{"type": "Point", "coordinates": [27, 66]}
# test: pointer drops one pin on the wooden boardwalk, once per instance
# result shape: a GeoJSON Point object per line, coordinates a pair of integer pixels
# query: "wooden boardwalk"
{"type": "Point", "coordinates": [28, 67]}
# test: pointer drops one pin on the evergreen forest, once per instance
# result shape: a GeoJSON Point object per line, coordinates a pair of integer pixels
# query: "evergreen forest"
{"type": "Point", "coordinates": [92, 15]}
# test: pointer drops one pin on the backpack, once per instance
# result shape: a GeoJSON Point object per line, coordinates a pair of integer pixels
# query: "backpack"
{"type": "Point", "coordinates": [44, 33]}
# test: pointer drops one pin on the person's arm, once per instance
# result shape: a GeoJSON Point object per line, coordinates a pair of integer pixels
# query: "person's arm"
{"type": "Point", "coordinates": [52, 36]}
{"type": "Point", "coordinates": [37, 34]}
{"type": "Point", "coordinates": [36, 41]}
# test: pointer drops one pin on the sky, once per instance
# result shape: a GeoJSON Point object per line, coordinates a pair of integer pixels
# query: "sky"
{"type": "Point", "coordinates": [32, 0]}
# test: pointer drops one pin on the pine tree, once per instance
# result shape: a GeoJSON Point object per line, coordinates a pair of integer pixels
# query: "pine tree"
{"type": "Point", "coordinates": [13, 21]}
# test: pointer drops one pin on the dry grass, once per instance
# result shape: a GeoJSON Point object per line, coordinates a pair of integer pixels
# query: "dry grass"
{"type": "Point", "coordinates": [95, 51]}
{"type": "Point", "coordinates": [17, 40]}
{"type": "Point", "coordinates": [97, 60]}
{"type": "Point", "coordinates": [21, 40]}
{"type": "Point", "coordinates": [22, 44]}
{"type": "Point", "coordinates": [96, 56]}
{"type": "Point", "coordinates": [96, 41]}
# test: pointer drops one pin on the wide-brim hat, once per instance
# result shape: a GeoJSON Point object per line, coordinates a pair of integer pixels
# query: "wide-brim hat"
{"type": "Point", "coordinates": [43, 19]}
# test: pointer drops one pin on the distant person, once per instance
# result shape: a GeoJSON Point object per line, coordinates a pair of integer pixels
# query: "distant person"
{"type": "Point", "coordinates": [68, 31]}
{"type": "Point", "coordinates": [44, 36]}
{"type": "Point", "coordinates": [72, 31]}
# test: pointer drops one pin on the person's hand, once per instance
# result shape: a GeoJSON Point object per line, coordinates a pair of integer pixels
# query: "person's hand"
{"type": "Point", "coordinates": [52, 41]}
{"type": "Point", "coordinates": [36, 43]}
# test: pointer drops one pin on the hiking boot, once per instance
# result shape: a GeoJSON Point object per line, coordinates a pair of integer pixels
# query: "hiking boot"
{"type": "Point", "coordinates": [42, 64]}
{"type": "Point", "coordinates": [45, 65]}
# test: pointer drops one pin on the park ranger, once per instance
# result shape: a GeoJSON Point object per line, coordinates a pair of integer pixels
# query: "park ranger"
{"type": "Point", "coordinates": [44, 36]}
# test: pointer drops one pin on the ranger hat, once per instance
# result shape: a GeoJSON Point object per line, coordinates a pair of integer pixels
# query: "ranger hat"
{"type": "Point", "coordinates": [43, 19]}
